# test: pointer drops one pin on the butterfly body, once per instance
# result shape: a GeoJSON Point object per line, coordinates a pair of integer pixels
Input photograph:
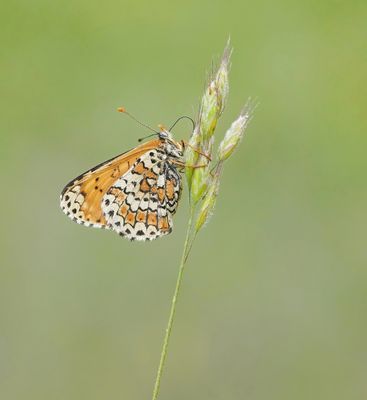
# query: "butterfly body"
{"type": "Point", "coordinates": [134, 194]}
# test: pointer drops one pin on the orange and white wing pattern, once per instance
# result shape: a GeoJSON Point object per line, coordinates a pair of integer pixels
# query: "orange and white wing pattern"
{"type": "Point", "coordinates": [134, 194]}
{"type": "Point", "coordinates": [81, 198]}
{"type": "Point", "coordinates": [141, 203]}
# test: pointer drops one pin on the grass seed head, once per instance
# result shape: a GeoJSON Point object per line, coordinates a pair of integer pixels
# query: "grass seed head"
{"type": "Point", "coordinates": [212, 105]}
{"type": "Point", "coordinates": [234, 134]}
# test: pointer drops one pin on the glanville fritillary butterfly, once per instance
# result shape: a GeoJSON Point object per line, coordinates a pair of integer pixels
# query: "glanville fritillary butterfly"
{"type": "Point", "coordinates": [134, 194]}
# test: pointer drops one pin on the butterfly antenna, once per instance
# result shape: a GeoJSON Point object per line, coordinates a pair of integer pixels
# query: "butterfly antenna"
{"type": "Point", "coordinates": [179, 119]}
{"type": "Point", "coordinates": [146, 137]}
{"type": "Point", "coordinates": [123, 110]}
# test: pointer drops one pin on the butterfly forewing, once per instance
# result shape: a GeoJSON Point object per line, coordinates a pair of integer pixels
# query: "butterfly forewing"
{"type": "Point", "coordinates": [81, 198]}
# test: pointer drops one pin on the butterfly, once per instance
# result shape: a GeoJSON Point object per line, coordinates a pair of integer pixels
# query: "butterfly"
{"type": "Point", "coordinates": [134, 194]}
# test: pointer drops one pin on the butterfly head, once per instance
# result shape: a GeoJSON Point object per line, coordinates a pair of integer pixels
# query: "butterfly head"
{"type": "Point", "coordinates": [164, 133]}
{"type": "Point", "coordinates": [172, 148]}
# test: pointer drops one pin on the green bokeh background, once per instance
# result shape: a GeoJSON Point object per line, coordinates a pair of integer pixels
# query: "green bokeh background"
{"type": "Point", "coordinates": [273, 303]}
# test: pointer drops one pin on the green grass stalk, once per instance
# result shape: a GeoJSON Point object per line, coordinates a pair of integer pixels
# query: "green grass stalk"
{"type": "Point", "coordinates": [185, 253]}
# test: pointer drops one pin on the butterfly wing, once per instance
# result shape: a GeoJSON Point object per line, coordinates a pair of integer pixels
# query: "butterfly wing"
{"type": "Point", "coordinates": [81, 198]}
{"type": "Point", "coordinates": [140, 205]}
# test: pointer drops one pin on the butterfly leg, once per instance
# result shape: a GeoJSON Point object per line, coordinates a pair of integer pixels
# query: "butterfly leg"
{"type": "Point", "coordinates": [183, 165]}
{"type": "Point", "coordinates": [186, 144]}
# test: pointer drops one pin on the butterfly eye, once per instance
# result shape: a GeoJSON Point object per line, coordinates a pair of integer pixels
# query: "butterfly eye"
{"type": "Point", "coordinates": [163, 134]}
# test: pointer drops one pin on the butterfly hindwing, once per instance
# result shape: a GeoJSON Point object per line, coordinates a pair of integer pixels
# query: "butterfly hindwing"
{"type": "Point", "coordinates": [140, 204]}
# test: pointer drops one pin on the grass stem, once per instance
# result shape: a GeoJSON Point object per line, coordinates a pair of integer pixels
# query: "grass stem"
{"type": "Point", "coordinates": [163, 357]}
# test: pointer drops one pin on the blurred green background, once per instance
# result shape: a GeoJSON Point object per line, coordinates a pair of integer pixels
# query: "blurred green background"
{"type": "Point", "coordinates": [273, 304]}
